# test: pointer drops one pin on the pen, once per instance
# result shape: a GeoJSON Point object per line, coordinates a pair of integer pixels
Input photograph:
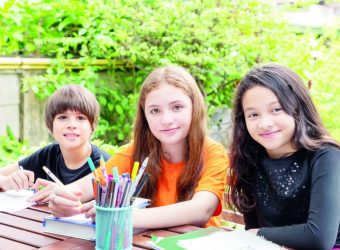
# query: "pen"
{"type": "Point", "coordinates": [116, 180]}
{"type": "Point", "coordinates": [141, 184]}
{"type": "Point", "coordinates": [56, 180]}
{"type": "Point", "coordinates": [139, 176]}
{"type": "Point", "coordinates": [52, 176]}
{"type": "Point", "coordinates": [21, 168]}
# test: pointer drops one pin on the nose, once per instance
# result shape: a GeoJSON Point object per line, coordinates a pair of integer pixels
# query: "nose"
{"type": "Point", "coordinates": [166, 117]}
{"type": "Point", "coordinates": [72, 123]}
{"type": "Point", "coordinates": [265, 122]}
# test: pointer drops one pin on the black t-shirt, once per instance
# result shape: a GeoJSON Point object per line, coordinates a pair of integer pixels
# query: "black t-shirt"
{"type": "Point", "coordinates": [298, 200]}
{"type": "Point", "coordinates": [51, 157]}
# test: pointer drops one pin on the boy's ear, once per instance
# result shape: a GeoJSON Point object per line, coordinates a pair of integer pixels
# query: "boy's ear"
{"type": "Point", "coordinates": [94, 126]}
{"type": "Point", "coordinates": [50, 131]}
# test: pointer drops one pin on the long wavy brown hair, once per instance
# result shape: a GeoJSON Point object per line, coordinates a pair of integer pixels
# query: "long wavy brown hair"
{"type": "Point", "coordinates": [245, 152]}
{"type": "Point", "coordinates": [146, 144]}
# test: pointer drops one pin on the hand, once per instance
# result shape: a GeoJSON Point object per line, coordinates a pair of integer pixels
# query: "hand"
{"type": "Point", "coordinates": [19, 179]}
{"type": "Point", "coordinates": [64, 202]}
{"type": "Point", "coordinates": [89, 209]}
{"type": "Point", "coordinates": [43, 190]}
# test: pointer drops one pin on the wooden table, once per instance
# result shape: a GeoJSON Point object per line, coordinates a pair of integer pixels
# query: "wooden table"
{"type": "Point", "coordinates": [23, 230]}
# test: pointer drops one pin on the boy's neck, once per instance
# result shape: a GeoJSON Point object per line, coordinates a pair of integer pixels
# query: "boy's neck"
{"type": "Point", "coordinates": [76, 158]}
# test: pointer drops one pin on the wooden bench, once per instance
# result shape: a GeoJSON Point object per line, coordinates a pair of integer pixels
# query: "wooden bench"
{"type": "Point", "coordinates": [229, 215]}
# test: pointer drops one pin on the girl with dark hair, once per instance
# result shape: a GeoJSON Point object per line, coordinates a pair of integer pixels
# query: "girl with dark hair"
{"type": "Point", "coordinates": [284, 166]}
{"type": "Point", "coordinates": [187, 169]}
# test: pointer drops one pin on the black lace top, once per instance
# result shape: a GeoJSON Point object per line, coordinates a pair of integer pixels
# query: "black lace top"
{"type": "Point", "coordinates": [298, 199]}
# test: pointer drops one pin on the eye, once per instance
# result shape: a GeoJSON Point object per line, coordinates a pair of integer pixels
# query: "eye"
{"type": "Point", "coordinates": [252, 115]}
{"type": "Point", "coordinates": [81, 117]}
{"type": "Point", "coordinates": [177, 107]}
{"type": "Point", "coordinates": [277, 109]}
{"type": "Point", "coordinates": [154, 111]}
{"type": "Point", "coordinates": [61, 117]}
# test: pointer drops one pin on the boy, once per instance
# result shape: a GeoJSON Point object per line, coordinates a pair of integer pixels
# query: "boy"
{"type": "Point", "coordinates": [71, 116]}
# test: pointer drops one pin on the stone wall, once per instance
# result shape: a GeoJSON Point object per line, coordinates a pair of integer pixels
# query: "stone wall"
{"type": "Point", "coordinates": [22, 112]}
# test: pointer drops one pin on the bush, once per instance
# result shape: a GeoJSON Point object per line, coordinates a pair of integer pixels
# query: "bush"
{"type": "Point", "coordinates": [216, 40]}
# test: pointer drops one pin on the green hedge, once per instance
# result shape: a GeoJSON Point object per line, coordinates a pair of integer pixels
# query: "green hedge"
{"type": "Point", "coordinates": [216, 40]}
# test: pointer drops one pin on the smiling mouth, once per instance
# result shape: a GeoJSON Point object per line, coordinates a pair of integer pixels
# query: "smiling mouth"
{"type": "Point", "coordinates": [169, 130]}
{"type": "Point", "coordinates": [269, 134]}
{"type": "Point", "coordinates": [71, 135]}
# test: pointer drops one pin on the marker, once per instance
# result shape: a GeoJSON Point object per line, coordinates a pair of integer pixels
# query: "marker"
{"type": "Point", "coordinates": [139, 176]}
{"type": "Point", "coordinates": [141, 171]}
{"type": "Point", "coordinates": [134, 171]}
{"type": "Point", "coordinates": [92, 167]}
{"type": "Point", "coordinates": [102, 164]}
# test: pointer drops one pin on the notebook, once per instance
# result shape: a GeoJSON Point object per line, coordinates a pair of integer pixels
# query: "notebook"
{"type": "Point", "coordinates": [212, 238]}
{"type": "Point", "coordinates": [12, 201]}
{"type": "Point", "coordinates": [78, 226]}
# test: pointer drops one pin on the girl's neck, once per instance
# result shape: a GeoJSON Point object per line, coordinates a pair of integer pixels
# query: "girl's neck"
{"type": "Point", "coordinates": [282, 154]}
{"type": "Point", "coordinates": [173, 153]}
{"type": "Point", "coordinates": [76, 158]}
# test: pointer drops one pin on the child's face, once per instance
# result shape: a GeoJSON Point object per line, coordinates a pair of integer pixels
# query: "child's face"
{"type": "Point", "coordinates": [71, 129]}
{"type": "Point", "coordinates": [168, 111]}
{"type": "Point", "coordinates": [267, 122]}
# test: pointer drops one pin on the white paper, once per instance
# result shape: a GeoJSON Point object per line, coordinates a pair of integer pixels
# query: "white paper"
{"type": "Point", "coordinates": [12, 201]}
{"type": "Point", "coordinates": [235, 240]}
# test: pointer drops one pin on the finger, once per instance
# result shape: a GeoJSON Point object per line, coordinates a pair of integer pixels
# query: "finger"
{"type": "Point", "coordinates": [62, 201]}
{"type": "Point", "coordinates": [91, 213]}
{"type": "Point", "coordinates": [41, 184]}
{"type": "Point", "coordinates": [48, 188]}
{"type": "Point", "coordinates": [18, 181]}
{"type": "Point", "coordinates": [41, 197]}
{"type": "Point", "coordinates": [61, 211]}
{"type": "Point", "coordinates": [87, 206]}
{"type": "Point", "coordinates": [72, 195]}
{"type": "Point", "coordinates": [12, 184]}
{"type": "Point", "coordinates": [30, 176]}
{"type": "Point", "coordinates": [24, 178]}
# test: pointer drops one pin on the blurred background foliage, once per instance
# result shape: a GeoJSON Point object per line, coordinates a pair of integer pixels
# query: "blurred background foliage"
{"type": "Point", "coordinates": [217, 41]}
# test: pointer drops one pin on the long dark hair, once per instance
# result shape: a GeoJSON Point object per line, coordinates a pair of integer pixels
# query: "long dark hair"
{"type": "Point", "coordinates": [245, 152]}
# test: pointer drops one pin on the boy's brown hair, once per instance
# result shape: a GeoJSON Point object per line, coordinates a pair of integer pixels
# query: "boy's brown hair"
{"type": "Point", "coordinates": [72, 97]}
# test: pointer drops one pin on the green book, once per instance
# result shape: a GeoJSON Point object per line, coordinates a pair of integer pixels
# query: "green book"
{"type": "Point", "coordinates": [213, 238]}
{"type": "Point", "coordinates": [171, 242]}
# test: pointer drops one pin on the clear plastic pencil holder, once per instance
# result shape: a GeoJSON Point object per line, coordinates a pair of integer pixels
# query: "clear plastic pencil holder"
{"type": "Point", "coordinates": [114, 228]}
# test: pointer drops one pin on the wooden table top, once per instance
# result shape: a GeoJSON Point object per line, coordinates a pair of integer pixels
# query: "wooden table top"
{"type": "Point", "coordinates": [23, 230]}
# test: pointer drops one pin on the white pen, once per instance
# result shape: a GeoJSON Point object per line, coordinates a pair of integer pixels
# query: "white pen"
{"type": "Point", "coordinates": [52, 176]}
{"type": "Point", "coordinates": [137, 179]}
{"type": "Point", "coordinates": [56, 180]}
{"type": "Point", "coordinates": [21, 168]}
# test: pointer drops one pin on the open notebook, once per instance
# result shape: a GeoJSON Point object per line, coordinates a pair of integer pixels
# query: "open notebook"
{"type": "Point", "coordinates": [213, 238]}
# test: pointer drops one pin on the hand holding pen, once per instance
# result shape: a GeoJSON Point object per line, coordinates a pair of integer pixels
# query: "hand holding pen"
{"type": "Point", "coordinates": [60, 184]}
{"type": "Point", "coordinates": [65, 202]}
{"type": "Point", "coordinates": [18, 179]}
